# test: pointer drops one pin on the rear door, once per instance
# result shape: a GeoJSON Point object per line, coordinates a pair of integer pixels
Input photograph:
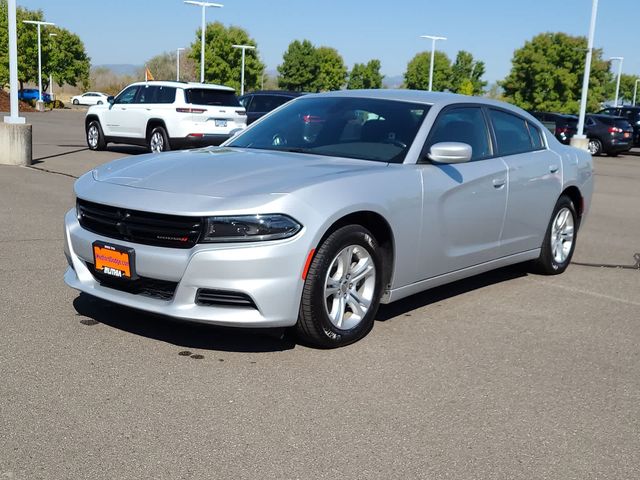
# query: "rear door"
{"type": "Point", "coordinates": [535, 180]}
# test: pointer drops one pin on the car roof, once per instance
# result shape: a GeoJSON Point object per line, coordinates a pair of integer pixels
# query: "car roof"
{"type": "Point", "coordinates": [439, 99]}
{"type": "Point", "coordinates": [285, 93]}
{"type": "Point", "coordinates": [170, 83]}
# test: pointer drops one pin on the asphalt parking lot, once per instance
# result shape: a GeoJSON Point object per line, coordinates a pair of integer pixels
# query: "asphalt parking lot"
{"type": "Point", "coordinates": [508, 375]}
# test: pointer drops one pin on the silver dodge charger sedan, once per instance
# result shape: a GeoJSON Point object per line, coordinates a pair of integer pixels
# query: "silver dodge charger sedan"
{"type": "Point", "coordinates": [327, 207]}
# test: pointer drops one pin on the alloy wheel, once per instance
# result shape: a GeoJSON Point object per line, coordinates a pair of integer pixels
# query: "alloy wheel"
{"type": "Point", "coordinates": [157, 142]}
{"type": "Point", "coordinates": [562, 233]}
{"type": "Point", "coordinates": [92, 136]}
{"type": "Point", "coordinates": [349, 287]}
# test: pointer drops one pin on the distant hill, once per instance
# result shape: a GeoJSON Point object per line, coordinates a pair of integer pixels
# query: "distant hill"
{"type": "Point", "coordinates": [394, 81]}
{"type": "Point", "coordinates": [121, 68]}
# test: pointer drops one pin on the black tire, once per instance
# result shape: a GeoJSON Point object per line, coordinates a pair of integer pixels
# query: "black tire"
{"type": "Point", "coordinates": [95, 136]}
{"type": "Point", "coordinates": [158, 140]}
{"type": "Point", "coordinates": [595, 146]}
{"type": "Point", "coordinates": [546, 263]}
{"type": "Point", "coordinates": [314, 325]}
{"type": "Point", "coordinates": [76, 102]}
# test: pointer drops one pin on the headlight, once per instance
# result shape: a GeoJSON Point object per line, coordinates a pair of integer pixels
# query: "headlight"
{"type": "Point", "coordinates": [249, 228]}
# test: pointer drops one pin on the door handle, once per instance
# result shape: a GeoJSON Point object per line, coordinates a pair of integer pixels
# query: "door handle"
{"type": "Point", "coordinates": [553, 168]}
{"type": "Point", "coordinates": [499, 182]}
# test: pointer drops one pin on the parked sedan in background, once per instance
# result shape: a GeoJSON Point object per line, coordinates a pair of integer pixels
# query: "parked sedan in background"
{"type": "Point", "coordinates": [609, 135]}
{"type": "Point", "coordinates": [395, 192]}
{"type": "Point", "coordinates": [90, 98]}
{"type": "Point", "coordinates": [33, 94]}
{"type": "Point", "coordinates": [632, 114]}
{"type": "Point", "coordinates": [563, 126]}
{"type": "Point", "coordinates": [262, 102]}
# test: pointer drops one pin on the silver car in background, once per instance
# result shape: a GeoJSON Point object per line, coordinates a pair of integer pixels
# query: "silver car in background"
{"type": "Point", "coordinates": [327, 207]}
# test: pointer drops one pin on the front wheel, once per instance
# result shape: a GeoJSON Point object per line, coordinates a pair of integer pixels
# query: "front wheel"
{"type": "Point", "coordinates": [95, 136]}
{"type": "Point", "coordinates": [560, 239]}
{"type": "Point", "coordinates": [158, 140]}
{"type": "Point", "coordinates": [342, 290]}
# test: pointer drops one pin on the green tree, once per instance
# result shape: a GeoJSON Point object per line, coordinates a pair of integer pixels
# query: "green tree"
{"type": "Point", "coordinates": [627, 86]}
{"type": "Point", "coordinates": [223, 62]}
{"type": "Point", "coordinates": [64, 57]}
{"type": "Point", "coordinates": [299, 67]}
{"type": "Point", "coordinates": [332, 72]}
{"type": "Point", "coordinates": [546, 74]}
{"type": "Point", "coordinates": [466, 71]}
{"type": "Point", "coordinates": [417, 74]}
{"type": "Point", "coordinates": [365, 75]}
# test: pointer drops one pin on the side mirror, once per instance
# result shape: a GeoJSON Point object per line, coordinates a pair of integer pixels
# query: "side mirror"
{"type": "Point", "coordinates": [111, 99]}
{"type": "Point", "coordinates": [450, 152]}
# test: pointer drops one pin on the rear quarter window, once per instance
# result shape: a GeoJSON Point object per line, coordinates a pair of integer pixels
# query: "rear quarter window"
{"type": "Point", "coordinates": [209, 96]}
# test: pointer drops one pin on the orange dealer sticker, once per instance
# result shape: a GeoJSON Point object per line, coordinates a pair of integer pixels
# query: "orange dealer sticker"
{"type": "Point", "coordinates": [113, 261]}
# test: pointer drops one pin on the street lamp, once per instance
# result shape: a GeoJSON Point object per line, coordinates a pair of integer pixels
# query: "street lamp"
{"type": "Point", "coordinates": [178, 63]}
{"type": "Point", "coordinates": [14, 113]}
{"type": "Point", "coordinates": [635, 90]}
{"type": "Point", "coordinates": [620, 59]}
{"type": "Point", "coordinates": [433, 52]}
{"type": "Point", "coordinates": [579, 140]}
{"type": "Point", "coordinates": [243, 47]}
{"type": "Point", "coordinates": [204, 5]}
{"type": "Point", "coordinates": [50, 75]}
{"type": "Point", "coordinates": [39, 24]}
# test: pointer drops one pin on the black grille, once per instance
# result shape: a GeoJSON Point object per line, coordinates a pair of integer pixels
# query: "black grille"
{"type": "Point", "coordinates": [211, 298]}
{"type": "Point", "coordinates": [148, 287]}
{"type": "Point", "coordinates": [140, 227]}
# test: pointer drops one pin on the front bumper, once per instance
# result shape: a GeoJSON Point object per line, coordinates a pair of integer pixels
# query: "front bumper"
{"type": "Point", "coordinates": [270, 273]}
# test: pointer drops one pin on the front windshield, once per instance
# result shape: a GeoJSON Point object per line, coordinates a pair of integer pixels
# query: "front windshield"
{"type": "Point", "coordinates": [363, 128]}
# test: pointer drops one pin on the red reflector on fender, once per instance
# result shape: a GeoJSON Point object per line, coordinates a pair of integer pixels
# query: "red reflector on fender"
{"type": "Point", "coordinates": [307, 264]}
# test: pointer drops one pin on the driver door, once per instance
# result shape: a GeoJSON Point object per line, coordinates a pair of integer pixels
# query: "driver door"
{"type": "Point", "coordinates": [120, 118]}
{"type": "Point", "coordinates": [464, 204]}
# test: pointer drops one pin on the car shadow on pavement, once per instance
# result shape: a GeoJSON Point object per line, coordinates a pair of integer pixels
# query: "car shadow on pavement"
{"type": "Point", "coordinates": [180, 333]}
{"type": "Point", "coordinates": [437, 294]}
{"type": "Point", "coordinates": [127, 149]}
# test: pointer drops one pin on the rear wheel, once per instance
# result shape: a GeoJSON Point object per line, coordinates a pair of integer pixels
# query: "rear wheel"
{"type": "Point", "coordinates": [595, 146]}
{"type": "Point", "coordinates": [342, 290]}
{"type": "Point", "coordinates": [158, 140]}
{"type": "Point", "coordinates": [560, 239]}
{"type": "Point", "coordinates": [95, 137]}
{"type": "Point", "coordinates": [76, 102]}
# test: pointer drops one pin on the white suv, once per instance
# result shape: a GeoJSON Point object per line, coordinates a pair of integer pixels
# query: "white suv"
{"type": "Point", "coordinates": [165, 116]}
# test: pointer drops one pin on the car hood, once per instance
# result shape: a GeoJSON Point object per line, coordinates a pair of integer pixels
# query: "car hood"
{"type": "Point", "coordinates": [228, 172]}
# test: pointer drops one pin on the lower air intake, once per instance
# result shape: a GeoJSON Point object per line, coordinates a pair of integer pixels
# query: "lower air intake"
{"type": "Point", "coordinates": [211, 298]}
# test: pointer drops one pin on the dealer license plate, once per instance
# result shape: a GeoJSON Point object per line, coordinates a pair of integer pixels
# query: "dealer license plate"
{"type": "Point", "coordinates": [221, 123]}
{"type": "Point", "coordinates": [114, 261]}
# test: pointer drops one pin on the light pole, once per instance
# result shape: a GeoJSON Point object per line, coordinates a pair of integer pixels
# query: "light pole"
{"type": "Point", "coordinates": [14, 114]}
{"type": "Point", "coordinates": [579, 140]}
{"type": "Point", "coordinates": [39, 24]}
{"type": "Point", "coordinates": [433, 52]}
{"type": "Point", "coordinates": [50, 75]}
{"type": "Point", "coordinates": [243, 47]}
{"type": "Point", "coordinates": [635, 90]}
{"type": "Point", "coordinates": [204, 5]}
{"type": "Point", "coordinates": [178, 63]}
{"type": "Point", "coordinates": [620, 60]}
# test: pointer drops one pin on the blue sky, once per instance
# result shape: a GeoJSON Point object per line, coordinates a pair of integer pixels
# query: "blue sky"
{"type": "Point", "coordinates": [132, 31]}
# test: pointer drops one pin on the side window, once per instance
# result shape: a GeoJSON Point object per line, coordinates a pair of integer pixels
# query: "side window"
{"type": "Point", "coordinates": [264, 103]}
{"type": "Point", "coordinates": [512, 134]}
{"type": "Point", "coordinates": [465, 125]}
{"type": "Point", "coordinates": [536, 137]}
{"type": "Point", "coordinates": [245, 102]}
{"type": "Point", "coordinates": [148, 94]}
{"type": "Point", "coordinates": [127, 96]}
{"type": "Point", "coordinates": [166, 95]}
